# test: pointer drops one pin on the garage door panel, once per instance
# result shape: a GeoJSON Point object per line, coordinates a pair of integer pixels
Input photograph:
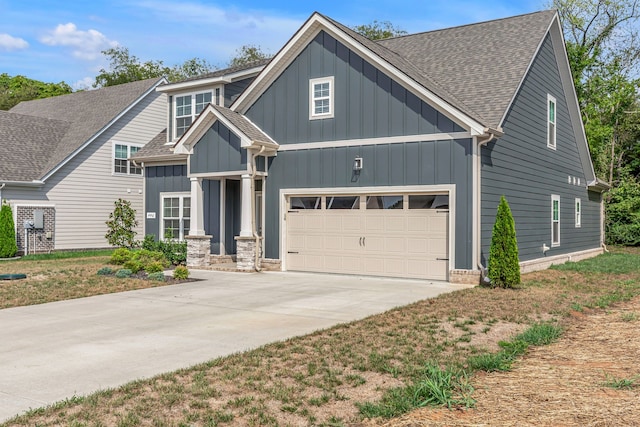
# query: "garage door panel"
{"type": "Point", "coordinates": [417, 224]}
{"type": "Point", "coordinates": [396, 223]}
{"type": "Point", "coordinates": [395, 245]}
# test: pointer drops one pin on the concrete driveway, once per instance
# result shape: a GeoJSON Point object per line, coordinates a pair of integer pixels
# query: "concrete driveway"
{"type": "Point", "coordinates": [53, 351]}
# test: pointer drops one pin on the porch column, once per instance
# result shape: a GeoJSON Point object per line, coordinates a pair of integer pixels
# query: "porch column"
{"type": "Point", "coordinates": [245, 207]}
{"type": "Point", "coordinates": [197, 213]}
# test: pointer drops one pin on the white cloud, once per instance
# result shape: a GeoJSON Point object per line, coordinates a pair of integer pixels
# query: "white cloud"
{"type": "Point", "coordinates": [84, 44]}
{"type": "Point", "coordinates": [9, 43]}
{"type": "Point", "coordinates": [84, 84]}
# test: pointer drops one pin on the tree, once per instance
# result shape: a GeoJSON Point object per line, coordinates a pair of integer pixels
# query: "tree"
{"type": "Point", "coordinates": [120, 225]}
{"type": "Point", "coordinates": [8, 246]}
{"type": "Point", "coordinates": [14, 90]}
{"type": "Point", "coordinates": [622, 223]}
{"type": "Point", "coordinates": [247, 54]}
{"type": "Point", "coordinates": [125, 67]}
{"type": "Point", "coordinates": [378, 30]}
{"type": "Point", "coordinates": [504, 266]}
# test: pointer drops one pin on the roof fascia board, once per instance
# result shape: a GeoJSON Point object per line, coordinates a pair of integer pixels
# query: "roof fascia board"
{"type": "Point", "coordinates": [196, 131]}
{"type": "Point", "coordinates": [227, 78]}
{"type": "Point", "coordinates": [165, 159]}
{"type": "Point", "coordinates": [34, 183]}
{"type": "Point", "coordinates": [306, 33]}
{"type": "Point", "coordinates": [101, 131]}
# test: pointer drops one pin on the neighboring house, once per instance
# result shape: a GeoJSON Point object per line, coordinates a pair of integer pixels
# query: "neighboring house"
{"type": "Point", "coordinates": [65, 162]}
{"type": "Point", "coordinates": [385, 158]}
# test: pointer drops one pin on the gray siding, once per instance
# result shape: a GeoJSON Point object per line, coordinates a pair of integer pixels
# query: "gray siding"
{"type": "Point", "coordinates": [233, 90]}
{"type": "Point", "coordinates": [521, 167]}
{"type": "Point", "coordinates": [368, 103]}
{"type": "Point", "coordinates": [218, 151]}
{"type": "Point", "coordinates": [414, 163]}
{"type": "Point", "coordinates": [173, 179]}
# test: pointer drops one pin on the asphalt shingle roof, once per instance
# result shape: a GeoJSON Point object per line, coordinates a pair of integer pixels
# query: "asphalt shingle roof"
{"type": "Point", "coordinates": [243, 124]}
{"type": "Point", "coordinates": [226, 71]}
{"type": "Point", "coordinates": [157, 147]}
{"type": "Point", "coordinates": [481, 65]}
{"type": "Point", "coordinates": [86, 114]}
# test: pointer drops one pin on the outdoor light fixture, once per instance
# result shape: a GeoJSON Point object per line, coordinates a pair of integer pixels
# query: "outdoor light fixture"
{"type": "Point", "coordinates": [357, 164]}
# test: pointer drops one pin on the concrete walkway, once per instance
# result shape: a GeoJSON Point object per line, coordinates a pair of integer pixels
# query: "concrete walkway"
{"type": "Point", "coordinates": [53, 351]}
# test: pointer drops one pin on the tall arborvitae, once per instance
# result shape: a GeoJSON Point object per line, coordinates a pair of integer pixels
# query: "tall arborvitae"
{"type": "Point", "coordinates": [504, 266]}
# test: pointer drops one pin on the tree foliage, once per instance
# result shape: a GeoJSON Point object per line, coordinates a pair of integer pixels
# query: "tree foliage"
{"type": "Point", "coordinates": [622, 223]}
{"type": "Point", "coordinates": [378, 30]}
{"type": "Point", "coordinates": [125, 67]}
{"type": "Point", "coordinates": [8, 246]}
{"type": "Point", "coordinates": [121, 224]}
{"type": "Point", "coordinates": [504, 265]}
{"type": "Point", "coordinates": [247, 54]}
{"type": "Point", "coordinates": [14, 90]}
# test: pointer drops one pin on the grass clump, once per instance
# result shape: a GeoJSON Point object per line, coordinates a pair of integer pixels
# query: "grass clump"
{"type": "Point", "coordinates": [620, 383]}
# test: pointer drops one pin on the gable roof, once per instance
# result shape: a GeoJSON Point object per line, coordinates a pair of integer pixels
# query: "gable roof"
{"type": "Point", "coordinates": [155, 150]}
{"type": "Point", "coordinates": [485, 62]}
{"type": "Point", "coordinates": [87, 114]}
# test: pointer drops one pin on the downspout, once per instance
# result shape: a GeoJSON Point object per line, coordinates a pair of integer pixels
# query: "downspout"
{"type": "Point", "coordinates": [254, 172]}
{"type": "Point", "coordinates": [1, 187]}
{"type": "Point", "coordinates": [481, 142]}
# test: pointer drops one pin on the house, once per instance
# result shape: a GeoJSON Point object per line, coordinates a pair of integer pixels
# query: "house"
{"type": "Point", "coordinates": [387, 158]}
{"type": "Point", "coordinates": [65, 162]}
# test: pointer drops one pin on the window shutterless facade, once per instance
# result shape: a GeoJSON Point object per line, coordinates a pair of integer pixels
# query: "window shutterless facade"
{"type": "Point", "coordinates": [121, 164]}
{"type": "Point", "coordinates": [321, 98]}
{"type": "Point", "coordinates": [578, 212]}
{"type": "Point", "coordinates": [555, 220]}
{"type": "Point", "coordinates": [187, 107]}
{"type": "Point", "coordinates": [551, 122]}
{"type": "Point", "coordinates": [176, 214]}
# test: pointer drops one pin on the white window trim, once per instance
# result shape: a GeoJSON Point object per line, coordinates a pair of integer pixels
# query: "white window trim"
{"type": "Point", "coordinates": [113, 159]}
{"type": "Point", "coordinates": [555, 122]}
{"type": "Point", "coordinates": [554, 198]}
{"type": "Point", "coordinates": [578, 212]}
{"type": "Point", "coordinates": [192, 94]}
{"type": "Point", "coordinates": [312, 114]}
{"type": "Point", "coordinates": [180, 195]}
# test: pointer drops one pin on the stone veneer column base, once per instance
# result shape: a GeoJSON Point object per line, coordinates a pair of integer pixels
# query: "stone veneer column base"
{"type": "Point", "coordinates": [464, 277]}
{"type": "Point", "coordinates": [246, 253]}
{"type": "Point", "coordinates": [198, 250]}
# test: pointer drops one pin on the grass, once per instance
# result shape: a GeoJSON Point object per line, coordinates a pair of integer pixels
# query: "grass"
{"type": "Point", "coordinates": [62, 276]}
{"type": "Point", "coordinates": [380, 366]}
{"type": "Point", "coordinates": [620, 383]}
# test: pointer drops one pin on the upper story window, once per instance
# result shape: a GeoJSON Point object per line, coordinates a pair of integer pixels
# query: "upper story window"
{"type": "Point", "coordinates": [321, 98]}
{"type": "Point", "coordinates": [551, 122]}
{"type": "Point", "coordinates": [187, 108]}
{"type": "Point", "coordinates": [121, 164]}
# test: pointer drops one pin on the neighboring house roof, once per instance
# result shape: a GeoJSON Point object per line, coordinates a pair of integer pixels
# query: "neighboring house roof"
{"type": "Point", "coordinates": [225, 75]}
{"type": "Point", "coordinates": [87, 115]}
{"type": "Point", "coordinates": [25, 144]}
{"type": "Point", "coordinates": [156, 149]}
{"type": "Point", "coordinates": [227, 71]}
{"type": "Point", "coordinates": [481, 64]}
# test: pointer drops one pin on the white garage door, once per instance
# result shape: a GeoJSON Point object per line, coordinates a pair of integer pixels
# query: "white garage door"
{"type": "Point", "coordinates": [403, 235]}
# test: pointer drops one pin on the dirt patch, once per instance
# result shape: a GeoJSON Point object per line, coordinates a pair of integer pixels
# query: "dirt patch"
{"type": "Point", "coordinates": [564, 383]}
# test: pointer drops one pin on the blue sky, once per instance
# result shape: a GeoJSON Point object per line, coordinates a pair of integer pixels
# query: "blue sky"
{"type": "Point", "coordinates": [57, 41]}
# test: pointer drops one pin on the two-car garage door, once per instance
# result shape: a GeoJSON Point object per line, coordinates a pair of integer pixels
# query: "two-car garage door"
{"type": "Point", "coordinates": [396, 235]}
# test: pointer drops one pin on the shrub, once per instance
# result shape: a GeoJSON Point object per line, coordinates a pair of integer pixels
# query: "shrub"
{"type": "Point", "coordinates": [181, 272]}
{"type": "Point", "coordinates": [134, 265]}
{"type": "Point", "coordinates": [8, 246]}
{"type": "Point", "coordinates": [123, 273]}
{"type": "Point", "coordinates": [120, 225]}
{"type": "Point", "coordinates": [154, 267]}
{"type": "Point", "coordinates": [120, 256]}
{"type": "Point", "coordinates": [622, 219]}
{"type": "Point", "coordinates": [504, 267]}
{"type": "Point", "coordinates": [147, 257]}
{"type": "Point", "coordinates": [149, 243]}
{"type": "Point", "coordinates": [174, 251]}
{"type": "Point", "coordinates": [105, 271]}
{"type": "Point", "coordinates": [157, 276]}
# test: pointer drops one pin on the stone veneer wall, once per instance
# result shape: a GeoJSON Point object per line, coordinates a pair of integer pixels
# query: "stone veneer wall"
{"type": "Point", "coordinates": [198, 250]}
{"type": "Point", "coordinates": [246, 253]}
{"type": "Point", "coordinates": [40, 240]}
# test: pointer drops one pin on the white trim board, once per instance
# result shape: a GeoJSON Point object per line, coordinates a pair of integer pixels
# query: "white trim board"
{"type": "Point", "coordinates": [450, 189]}
{"type": "Point", "coordinates": [376, 141]}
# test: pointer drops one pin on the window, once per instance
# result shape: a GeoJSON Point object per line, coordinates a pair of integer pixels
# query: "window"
{"type": "Point", "coordinates": [343, 202]}
{"type": "Point", "coordinates": [321, 98]}
{"type": "Point", "coordinates": [121, 164]}
{"type": "Point", "coordinates": [176, 215]}
{"type": "Point", "coordinates": [187, 108]}
{"type": "Point", "coordinates": [578, 212]}
{"type": "Point", "coordinates": [551, 122]}
{"type": "Point", "coordinates": [555, 220]}
{"type": "Point", "coordinates": [384, 202]}
{"type": "Point", "coordinates": [305, 203]}
{"type": "Point", "coordinates": [425, 201]}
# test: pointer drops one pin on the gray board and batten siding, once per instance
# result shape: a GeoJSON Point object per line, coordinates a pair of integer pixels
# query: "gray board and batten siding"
{"type": "Point", "coordinates": [173, 179]}
{"type": "Point", "coordinates": [521, 167]}
{"type": "Point", "coordinates": [218, 150]}
{"type": "Point", "coordinates": [234, 89]}
{"type": "Point", "coordinates": [368, 103]}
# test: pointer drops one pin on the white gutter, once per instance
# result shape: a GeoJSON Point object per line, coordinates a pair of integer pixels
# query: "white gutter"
{"type": "Point", "coordinates": [34, 183]}
{"type": "Point", "coordinates": [1, 187]}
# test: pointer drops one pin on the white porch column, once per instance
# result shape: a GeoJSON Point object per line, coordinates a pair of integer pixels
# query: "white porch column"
{"type": "Point", "coordinates": [245, 207]}
{"type": "Point", "coordinates": [197, 206]}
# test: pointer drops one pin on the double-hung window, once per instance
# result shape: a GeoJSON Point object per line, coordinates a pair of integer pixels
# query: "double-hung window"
{"type": "Point", "coordinates": [578, 212]}
{"type": "Point", "coordinates": [555, 220]}
{"type": "Point", "coordinates": [187, 108]}
{"type": "Point", "coordinates": [321, 98]}
{"type": "Point", "coordinates": [121, 163]}
{"type": "Point", "coordinates": [551, 122]}
{"type": "Point", "coordinates": [176, 215]}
